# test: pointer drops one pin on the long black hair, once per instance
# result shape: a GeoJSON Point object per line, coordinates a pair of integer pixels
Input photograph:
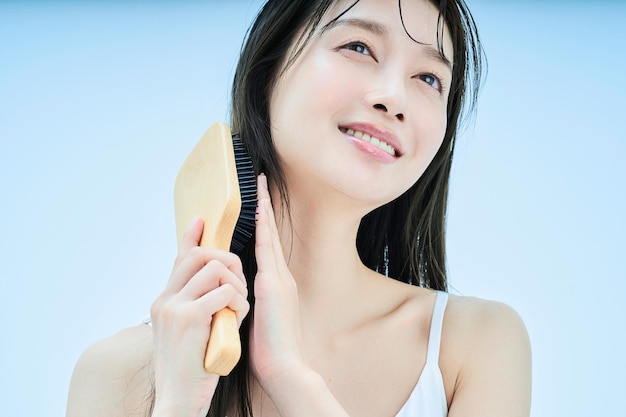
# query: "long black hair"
{"type": "Point", "coordinates": [404, 239]}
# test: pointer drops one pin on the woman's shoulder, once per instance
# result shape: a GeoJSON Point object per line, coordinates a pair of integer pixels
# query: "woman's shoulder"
{"type": "Point", "coordinates": [486, 352]}
{"type": "Point", "coordinates": [473, 326]}
{"type": "Point", "coordinates": [475, 315]}
{"type": "Point", "coordinates": [113, 377]}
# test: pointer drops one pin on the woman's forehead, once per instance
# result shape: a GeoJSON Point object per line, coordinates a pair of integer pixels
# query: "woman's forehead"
{"type": "Point", "coordinates": [420, 20]}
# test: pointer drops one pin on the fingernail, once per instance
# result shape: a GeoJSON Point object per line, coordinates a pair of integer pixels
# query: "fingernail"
{"type": "Point", "coordinates": [263, 180]}
{"type": "Point", "coordinates": [194, 220]}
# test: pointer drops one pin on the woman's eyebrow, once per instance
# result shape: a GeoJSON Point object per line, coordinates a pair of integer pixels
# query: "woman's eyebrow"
{"type": "Point", "coordinates": [368, 25]}
{"type": "Point", "coordinates": [436, 55]}
{"type": "Point", "coordinates": [379, 29]}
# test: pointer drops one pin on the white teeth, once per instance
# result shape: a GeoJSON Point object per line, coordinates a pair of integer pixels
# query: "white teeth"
{"type": "Point", "coordinates": [374, 141]}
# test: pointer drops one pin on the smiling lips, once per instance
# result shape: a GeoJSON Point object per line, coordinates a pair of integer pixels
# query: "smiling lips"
{"type": "Point", "coordinates": [365, 137]}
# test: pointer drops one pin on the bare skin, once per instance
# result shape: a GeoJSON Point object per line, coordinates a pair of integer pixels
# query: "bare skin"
{"type": "Point", "coordinates": [112, 378]}
{"type": "Point", "coordinates": [329, 337]}
{"type": "Point", "coordinates": [485, 357]}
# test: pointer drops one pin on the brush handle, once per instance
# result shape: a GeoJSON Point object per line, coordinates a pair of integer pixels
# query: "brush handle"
{"type": "Point", "coordinates": [224, 348]}
{"type": "Point", "coordinates": [207, 184]}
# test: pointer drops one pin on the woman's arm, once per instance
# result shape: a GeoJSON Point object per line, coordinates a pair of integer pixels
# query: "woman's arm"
{"type": "Point", "coordinates": [275, 353]}
{"type": "Point", "coordinates": [495, 373]}
{"type": "Point", "coordinates": [113, 377]}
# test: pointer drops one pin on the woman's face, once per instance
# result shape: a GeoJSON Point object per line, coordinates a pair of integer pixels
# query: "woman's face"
{"type": "Point", "coordinates": [362, 111]}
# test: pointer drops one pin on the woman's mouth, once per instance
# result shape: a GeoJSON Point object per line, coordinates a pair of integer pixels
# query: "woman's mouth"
{"type": "Point", "coordinates": [379, 143]}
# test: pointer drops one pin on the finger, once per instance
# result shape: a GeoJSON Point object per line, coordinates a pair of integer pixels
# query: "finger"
{"type": "Point", "coordinates": [264, 244]}
{"type": "Point", "coordinates": [213, 275]}
{"type": "Point", "coordinates": [191, 237]}
{"type": "Point", "coordinates": [270, 220]}
{"type": "Point", "coordinates": [273, 230]}
{"type": "Point", "coordinates": [262, 188]}
{"type": "Point", "coordinates": [195, 259]}
{"type": "Point", "coordinates": [225, 296]}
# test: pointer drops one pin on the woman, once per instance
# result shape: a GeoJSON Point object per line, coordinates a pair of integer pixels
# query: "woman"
{"type": "Point", "coordinates": [351, 109]}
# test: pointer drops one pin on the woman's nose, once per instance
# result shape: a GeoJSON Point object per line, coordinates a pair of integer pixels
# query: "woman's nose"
{"type": "Point", "coordinates": [387, 94]}
{"type": "Point", "coordinates": [380, 106]}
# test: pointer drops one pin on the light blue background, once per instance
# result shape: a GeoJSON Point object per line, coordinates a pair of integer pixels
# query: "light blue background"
{"type": "Point", "coordinates": [100, 102]}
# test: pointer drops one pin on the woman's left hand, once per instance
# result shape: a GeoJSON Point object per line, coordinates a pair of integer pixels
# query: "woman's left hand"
{"type": "Point", "coordinates": [275, 331]}
{"type": "Point", "coordinates": [275, 355]}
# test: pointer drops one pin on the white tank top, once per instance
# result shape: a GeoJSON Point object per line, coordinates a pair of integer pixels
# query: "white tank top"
{"type": "Point", "coordinates": [428, 398]}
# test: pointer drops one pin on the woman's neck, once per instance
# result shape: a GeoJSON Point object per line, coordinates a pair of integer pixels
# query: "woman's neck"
{"type": "Point", "coordinates": [318, 239]}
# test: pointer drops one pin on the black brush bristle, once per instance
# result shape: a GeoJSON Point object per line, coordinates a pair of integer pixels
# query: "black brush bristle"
{"type": "Point", "coordinates": [247, 188]}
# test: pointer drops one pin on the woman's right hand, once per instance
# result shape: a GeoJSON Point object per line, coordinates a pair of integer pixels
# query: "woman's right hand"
{"type": "Point", "coordinates": [203, 281]}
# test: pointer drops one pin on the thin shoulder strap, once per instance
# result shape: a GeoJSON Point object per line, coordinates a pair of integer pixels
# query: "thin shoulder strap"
{"type": "Point", "coordinates": [436, 324]}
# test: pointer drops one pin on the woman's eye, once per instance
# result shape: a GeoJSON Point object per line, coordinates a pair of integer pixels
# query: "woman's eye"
{"type": "Point", "coordinates": [358, 47]}
{"type": "Point", "coordinates": [432, 81]}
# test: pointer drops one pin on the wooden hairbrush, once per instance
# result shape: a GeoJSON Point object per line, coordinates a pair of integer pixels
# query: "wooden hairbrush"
{"type": "Point", "coordinates": [217, 182]}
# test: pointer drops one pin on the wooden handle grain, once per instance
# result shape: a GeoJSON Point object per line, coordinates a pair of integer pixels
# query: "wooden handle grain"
{"type": "Point", "coordinates": [224, 347]}
{"type": "Point", "coordinates": [207, 184]}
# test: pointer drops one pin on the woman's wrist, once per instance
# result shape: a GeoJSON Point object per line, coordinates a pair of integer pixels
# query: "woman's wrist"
{"type": "Point", "coordinates": [163, 408]}
{"type": "Point", "coordinates": [303, 392]}
{"type": "Point", "coordinates": [176, 412]}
